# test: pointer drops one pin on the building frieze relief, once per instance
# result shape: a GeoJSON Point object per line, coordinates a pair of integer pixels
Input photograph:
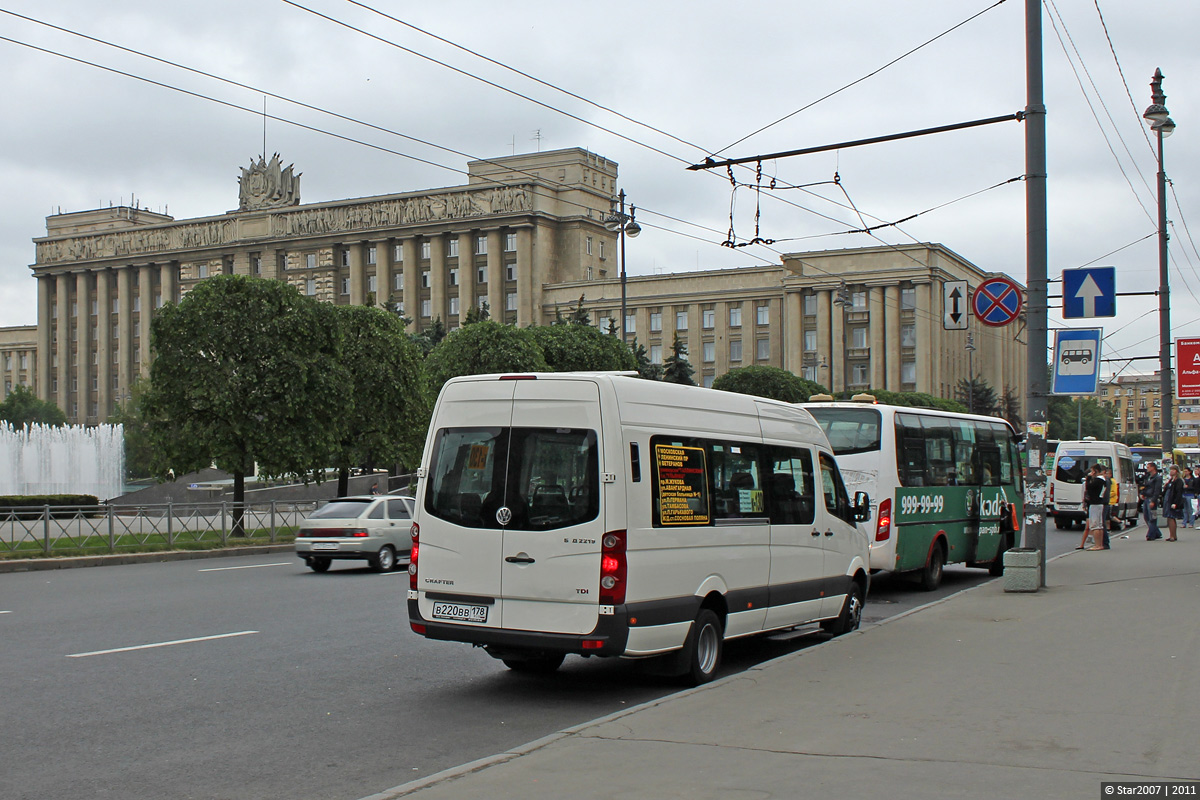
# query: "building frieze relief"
{"type": "Point", "coordinates": [373, 215]}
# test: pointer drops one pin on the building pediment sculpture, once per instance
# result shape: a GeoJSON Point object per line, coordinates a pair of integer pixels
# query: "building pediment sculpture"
{"type": "Point", "coordinates": [268, 185]}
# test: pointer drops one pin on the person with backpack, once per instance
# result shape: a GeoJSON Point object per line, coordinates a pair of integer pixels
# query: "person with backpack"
{"type": "Point", "coordinates": [1095, 498]}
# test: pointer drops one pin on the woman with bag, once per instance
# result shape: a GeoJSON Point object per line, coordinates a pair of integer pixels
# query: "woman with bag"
{"type": "Point", "coordinates": [1172, 504]}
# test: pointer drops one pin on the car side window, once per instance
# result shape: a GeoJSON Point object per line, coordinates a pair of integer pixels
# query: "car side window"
{"type": "Point", "coordinates": [398, 509]}
{"type": "Point", "coordinates": [377, 512]}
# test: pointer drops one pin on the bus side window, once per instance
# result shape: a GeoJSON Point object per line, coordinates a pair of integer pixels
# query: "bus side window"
{"type": "Point", "coordinates": [939, 452]}
{"type": "Point", "coordinates": [910, 451]}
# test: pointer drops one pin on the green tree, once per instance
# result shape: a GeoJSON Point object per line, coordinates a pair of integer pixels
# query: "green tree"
{"type": "Point", "coordinates": [385, 411]}
{"type": "Point", "coordinates": [483, 348]}
{"type": "Point", "coordinates": [429, 338]}
{"type": "Point", "coordinates": [141, 457]}
{"type": "Point", "coordinates": [910, 399]}
{"type": "Point", "coordinates": [477, 313]}
{"type": "Point", "coordinates": [579, 316]}
{"type": "Point", "coordinates": [22, 408]}
{"type": "Point", "coordinates": [1010, 408]}
{"type": "Point", "coordinates": [646, 369]}
{"type": "Point", "coordinates": [772, 382]}
{"type": "Point", "coordinates": [575, 348]}
{"type": "Point", "coordinates": [1072, 418]}
{"type": "Point", "coordinates": [245, 372]}
{"type": "Point", "coordinates": [677, 368]}
{"type": "Point", "coordinates": [977, 395]}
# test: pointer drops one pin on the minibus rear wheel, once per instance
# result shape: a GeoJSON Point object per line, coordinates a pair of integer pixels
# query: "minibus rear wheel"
{"type": "Point", "coordinates": [702, 650]}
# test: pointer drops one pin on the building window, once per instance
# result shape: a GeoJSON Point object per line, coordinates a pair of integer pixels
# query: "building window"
{"type": "Point", "coordinates": [908, 335]}
{"type": "Point", "coordinates": [510, 243]}
{"type": "Point", "coordinates": [763, 315]}
{"type": "Point", "coordinates": [709, 349]}
{"type": "Point", "coordinates": [735, 316]}
{"type": "Point", "coordinates": [858, 337]}
{"type": "Point", "coordinates": [453, 306]}
{"type": "Point", "coordinates": [202, 271]}
{"type": "Point", "coordinates": [116, 331]}
{"type": "Point", "coordinates": [735, 349]}
{"type": "Point", "coordinates": [708, 381]}
{"type": "Point", "coordinates": [425, 247]}
{"type": "Point", "coordinates": [8, 361]}
{"type": "Point", "coordinates": [74, 309]}
{"type": "Point", "coordinates": [116, 306]}
{"type": "Point", "coordinates": [655, 321]}
{"type": "Point", "coordinates": [708, 319]}
{"type": "Point", "coordinates": [810, 341]}
{"type": "Point", "coordinates": [631, 323]}
{"type": "Point", "coordinates": [398, 253]}
{"type": "Point", "coordinates": [453, 277]}
{"type": "Point", "coordinates": [310, 261]}
{"type": "Point", "coordinates": [764, 349]}
{"type": "Point", "coordinates": [426, 308]}
{"type": "Point", "coordinates": [481, 245]}
{"type": "Point", "coordinates": [908, 372]}
{"type": "Point", "coordinates": [54, 311]}
{"type": "Point", "coordinates": [372, 283]}
{"type": "Point", "coordinates": [255, 265]}
{"type": "Point", "coordinates": [908, 298]}
{"type": "Point", "coordinates": [510, 301]}
{"type": "Point", "coordinates": [858, 301]}
{"type": "Point", "coordinates": [95, 307]}
{"type": "Point", "coordinates": [345, 286]}
{"type": "Point", "coordinates": [425, 279]}
{"type": "Point", "coordinates": [510, 272]}
{"type": "Point", "coordinates": [452, 248]}
{"type": "Point", "coordinates": [481, 275]}
{"type": "Point", "coordinates": [590, 274]}
{"type": "Point", "coordinates": [656, 354]}
{"type": "Point", "coordinates": [858, 374]}
{"type": "Point", "coordinates": [346, 257]}
{"type": "Point", "coordinates": [588, 246]}
{"type": "Point", "coordinates": [398, 282]}
{"type": "Point", "coordinates": [601, 249]}
{"type": "Point", "coordinates": [371, 254]}
{"type": "Point", "coordinates": [481, 302]}
{"type": "Point", "coordinates": [400, 308]}
{"type": "Point", "coordinates": [24, 361]}
{"type": "Point", "coordinates": [810, 305]}
{"type": "Point", "coordinates": [310, 287]}
{"type": "Point", "coordinates": [681, 320]}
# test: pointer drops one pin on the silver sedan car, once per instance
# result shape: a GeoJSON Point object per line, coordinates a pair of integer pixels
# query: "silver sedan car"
{"type": "Point", "coordinates": [371, 527]}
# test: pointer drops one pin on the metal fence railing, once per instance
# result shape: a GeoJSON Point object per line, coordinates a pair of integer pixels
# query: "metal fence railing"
{"type": "Point", "coordinates": [51, 530]}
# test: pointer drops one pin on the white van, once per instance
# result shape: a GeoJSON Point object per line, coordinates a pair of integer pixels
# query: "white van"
{"type": "Point", "coordinates": [602, 514]}
{"type": "Point", "coordinates": [1072, 461]}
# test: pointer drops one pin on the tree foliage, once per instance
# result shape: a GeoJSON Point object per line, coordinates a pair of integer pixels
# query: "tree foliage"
{"type": "Point", "coordinates": [977, 395]}
{"type": "Point", "coordinates": [1010, 408]}
{"type": "Point", "coordinates": [1073, 418]}
{"type": "Point", "coordinates": [677, 368]}
{"type": "Point", "coordinates": [385, 410]}
{"type": "Point", "coordinates": [772, 382]}
{"type": "Point", "coordinates": [912, 400]}
{"type": "Point", "coordinates": [484, 347]}
{"type": "Point", "coordinates": [646, 369]}
{"type": "Point", "coordinates": [141, 457]}
{"type": "Point", "coordinates": [22, 408]}
{"type": "Point", "coordinates": [580, 347]}
{"type": "Point", "coordinates": [431, 337]}
{"type": "Point", "coordinates": [245, 372]}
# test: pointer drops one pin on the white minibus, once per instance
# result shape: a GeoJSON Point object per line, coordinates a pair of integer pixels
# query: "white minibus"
{"type": "Point", "coordinates": [1072, 460]}
{"type": "Point", "coordinates": [602, 514]}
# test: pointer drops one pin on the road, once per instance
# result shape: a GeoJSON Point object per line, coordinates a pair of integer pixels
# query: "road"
{"type": "Point", "coordinates": [251, 677]}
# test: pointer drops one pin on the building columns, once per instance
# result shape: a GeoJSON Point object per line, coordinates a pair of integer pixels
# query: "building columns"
{"type": "Point", "coordinates": [42, 387]}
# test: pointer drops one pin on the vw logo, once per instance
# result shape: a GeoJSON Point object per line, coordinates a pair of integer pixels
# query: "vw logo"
{"type": "Point", "coordinates": [504, 515]}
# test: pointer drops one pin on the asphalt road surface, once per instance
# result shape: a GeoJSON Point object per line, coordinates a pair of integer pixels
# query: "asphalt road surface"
{"type": "Point", "coordinates": [251, 677]}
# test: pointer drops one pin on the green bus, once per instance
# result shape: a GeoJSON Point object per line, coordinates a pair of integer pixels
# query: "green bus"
{"type": "Point", "coordinates": [945, 488]}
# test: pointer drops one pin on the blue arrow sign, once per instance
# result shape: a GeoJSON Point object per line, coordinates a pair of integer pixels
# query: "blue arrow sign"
{"type": "Point", "coordinates": [1089, 292]}
{"type": "Point", "coordinates": [1076, 361]}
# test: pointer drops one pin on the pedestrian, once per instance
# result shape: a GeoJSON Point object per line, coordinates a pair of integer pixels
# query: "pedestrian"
{"type": "Point", "coordinates": [375, 488]}
{"type": "Point", "coordinates": [1172, 502]}
{"type": "Point", "coordinates": [1095, 498]}
{"type": "Point", "coordinates": [1190, 481]}
{"type": "Point", "coordinates": [1151, 493]}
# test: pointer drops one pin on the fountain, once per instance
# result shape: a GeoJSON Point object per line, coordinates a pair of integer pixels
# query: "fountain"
{"type": "Point", "coordinates": [73, 459]}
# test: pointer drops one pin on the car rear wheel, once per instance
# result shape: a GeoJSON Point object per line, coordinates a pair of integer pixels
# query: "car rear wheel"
{"type": "Point", "coordinates": [384, 560]}
{"type": "Point", "coordinates": [319, 563]}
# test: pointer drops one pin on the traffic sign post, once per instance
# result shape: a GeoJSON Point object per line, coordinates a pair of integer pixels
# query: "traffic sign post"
{"type": "Point", "coordinates": [996, 302]}
{"type": "Point", "coordinates": [1089, 292]}
{"type": "Point", "coordinates": [1187, 368]}
{"type": "Point", "coordinates": [954, 305]}
{"type": "Point", "coordinates": [1077, 361]}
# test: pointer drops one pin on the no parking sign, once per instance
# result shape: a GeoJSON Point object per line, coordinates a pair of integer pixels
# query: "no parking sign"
{"type": "Point", "coordinates": [997, 301]}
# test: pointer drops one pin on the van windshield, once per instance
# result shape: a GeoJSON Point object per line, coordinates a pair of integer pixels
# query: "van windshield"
{"type": "Point", "coordinates": [850, 430]}
{"type": "Point", "coordinates": [535, 479]}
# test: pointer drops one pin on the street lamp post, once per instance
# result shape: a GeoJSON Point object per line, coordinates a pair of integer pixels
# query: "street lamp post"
{"type": "Point", "coordinates": [618, 220]}
{"type": "Point", "coordinates": [1163, 126]}
{"type": "Point", "coordinates": [970, 372]}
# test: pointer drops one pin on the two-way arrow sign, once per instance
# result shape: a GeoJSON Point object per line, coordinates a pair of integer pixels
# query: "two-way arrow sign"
{"type": "Point", "coordinates": [954, 299]}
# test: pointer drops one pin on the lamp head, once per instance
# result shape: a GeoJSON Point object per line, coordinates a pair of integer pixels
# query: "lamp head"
{"type": "Point", "coordinates": [633, 229]}
{"type": "Point", "coordinates": [1156, 112]}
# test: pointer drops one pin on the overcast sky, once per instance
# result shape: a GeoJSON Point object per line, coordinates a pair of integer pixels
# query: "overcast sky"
{"type": "Point", "coordinates": [705, 75]}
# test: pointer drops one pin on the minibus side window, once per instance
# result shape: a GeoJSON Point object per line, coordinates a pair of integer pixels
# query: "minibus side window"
{"type": "Point", "coordinates": [737, 481]}
{"type": "Point", "coordinates": [834, 491]}
{"type": "Point", "coordinates": [791, 489]}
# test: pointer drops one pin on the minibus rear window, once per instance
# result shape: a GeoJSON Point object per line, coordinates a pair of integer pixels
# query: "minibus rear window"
{"type": "Point", "coordinates": [531, 478]}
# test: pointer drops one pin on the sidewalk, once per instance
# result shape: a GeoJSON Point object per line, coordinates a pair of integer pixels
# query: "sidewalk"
{"type": "Point", "coordinates": [983, 695]}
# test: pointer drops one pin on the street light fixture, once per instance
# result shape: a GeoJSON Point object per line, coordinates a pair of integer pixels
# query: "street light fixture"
{"type": "Point", "coordinates": [1163, 126]}
{"type": "Point", "coordinates": [618, 220]}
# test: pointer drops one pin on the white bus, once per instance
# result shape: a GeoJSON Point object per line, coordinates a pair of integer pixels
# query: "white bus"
{"type": "Point", "coordinates": [947, 487]}
{"type": "Point", "coordinates": [601, 514]}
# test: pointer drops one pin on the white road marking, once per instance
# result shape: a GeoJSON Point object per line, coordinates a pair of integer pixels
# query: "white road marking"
{"type": "Point", "coordinates": [246, 566]}
{"type": "Point", "coordinates": [5, 612]}
{"type": "Point", "coordinates": [159, 644]}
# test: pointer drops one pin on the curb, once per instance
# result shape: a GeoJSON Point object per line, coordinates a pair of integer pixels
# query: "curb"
{"type": "Point", "coordinates": [70, 562]}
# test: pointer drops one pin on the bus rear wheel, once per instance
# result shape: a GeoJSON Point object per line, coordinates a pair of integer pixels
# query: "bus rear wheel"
{"type": "Point", "coordinates": [931, 575]}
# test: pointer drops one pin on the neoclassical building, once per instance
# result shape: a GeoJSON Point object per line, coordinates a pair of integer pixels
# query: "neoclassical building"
{"type": "Point", "coordinates": [526, 236]}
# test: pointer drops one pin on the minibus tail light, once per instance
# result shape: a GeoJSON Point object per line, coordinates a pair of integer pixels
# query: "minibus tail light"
{"type": "Point", "coordinates": [415, 533]}
{"type": "Point", "coordinates": [883, 524]}
{"type": "Point", "coordinates": [612, 568]}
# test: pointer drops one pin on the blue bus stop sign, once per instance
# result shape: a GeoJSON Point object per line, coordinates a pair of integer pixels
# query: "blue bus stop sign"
{"type": "Point", "coordinates": [1076, 361]}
